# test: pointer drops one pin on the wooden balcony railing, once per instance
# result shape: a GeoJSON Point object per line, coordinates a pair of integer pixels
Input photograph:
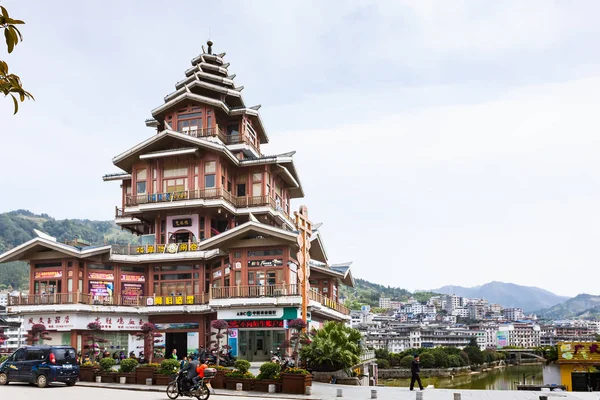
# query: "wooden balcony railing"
{"type": "Point", "coordinates": [227, 292]}
{"type": "Point", "coordinates": [206, 194]}
{"type": "Point", "coordinates": [83, 298]}
{"type": "Point", "coordinates": [327, 302]}
{"type": "Point", "coordinates": [218, 133]}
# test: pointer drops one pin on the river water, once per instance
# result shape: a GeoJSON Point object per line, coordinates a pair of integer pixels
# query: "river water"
{"type": "Point", "coordinates": [504, 378]}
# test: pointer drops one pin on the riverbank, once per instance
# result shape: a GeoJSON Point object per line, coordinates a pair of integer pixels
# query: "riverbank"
{"type": "Point", "coordinates": [504, 378]}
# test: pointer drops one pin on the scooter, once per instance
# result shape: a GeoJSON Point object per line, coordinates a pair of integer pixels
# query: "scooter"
{"type": "Point", "coordinates": [201, 390]}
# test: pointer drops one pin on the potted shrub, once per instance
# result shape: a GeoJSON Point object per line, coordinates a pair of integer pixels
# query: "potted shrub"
{"type": "Point", "coordinates": [295, 380]}
{"type": "Point", "coordinates": [240, 375]}
{"type": "Point", "coordinates": [88, 370]}
{"type": "Point", "coordinates": [127, 370]}
{"type": "Point", "coordinates": [106, 366]}
{"type": "Point", "coordinates": [167, 371]}
{"type": "Point", "coordinates": [269, 375]}
{"type": "Point", "coordinates": [146, 371]}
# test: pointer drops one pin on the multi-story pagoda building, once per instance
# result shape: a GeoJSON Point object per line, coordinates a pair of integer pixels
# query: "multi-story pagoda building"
{"type": "Point", "coordinates": [217, 240]}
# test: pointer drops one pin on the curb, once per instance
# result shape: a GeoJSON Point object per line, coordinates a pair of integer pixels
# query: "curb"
{"type": "Point", "coordinates": [220, 392]}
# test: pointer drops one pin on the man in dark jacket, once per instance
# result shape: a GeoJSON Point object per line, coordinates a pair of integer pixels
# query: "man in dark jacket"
{"type": "Point", "coordinates": [189, 373]}
{"type": "Point", "coordinates": [415, 368]}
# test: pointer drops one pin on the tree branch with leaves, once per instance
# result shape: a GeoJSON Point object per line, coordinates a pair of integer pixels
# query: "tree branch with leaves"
{"type": "Point", "coordinates": [10, 84]}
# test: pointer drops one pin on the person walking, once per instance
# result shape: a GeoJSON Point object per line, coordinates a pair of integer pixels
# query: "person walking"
{"type": "Point", "coordinates": [415, 369]}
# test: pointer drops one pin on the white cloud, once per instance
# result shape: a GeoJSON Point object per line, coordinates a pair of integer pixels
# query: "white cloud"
{"type": "Point", "coordinates": [440, 142]}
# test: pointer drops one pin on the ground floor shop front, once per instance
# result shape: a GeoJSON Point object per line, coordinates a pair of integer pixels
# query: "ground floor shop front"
{"type": "Point", "coordinates": [579, 364]}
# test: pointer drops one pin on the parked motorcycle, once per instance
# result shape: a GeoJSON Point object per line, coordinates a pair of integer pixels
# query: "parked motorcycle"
{"type": "Point", "coordinates": [201, 390]}
{"type": "Point", "coordinates": [225, 359]}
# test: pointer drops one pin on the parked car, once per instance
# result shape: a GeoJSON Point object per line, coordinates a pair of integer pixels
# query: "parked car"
{"type": "Point", "coordinates": [41, 365]}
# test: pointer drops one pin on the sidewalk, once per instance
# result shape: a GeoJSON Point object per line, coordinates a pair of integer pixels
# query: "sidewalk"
{"type": "Point", "coordinates": [217, 392]}
{"type": "Point", "coordinates": [322, 391]}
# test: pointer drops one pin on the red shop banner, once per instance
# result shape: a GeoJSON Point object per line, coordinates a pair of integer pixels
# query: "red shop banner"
{"type": "Point", "coordinates": [133, 278]}
{"type": "Point", "coordinates": [47, 274]}
{"type": "Point", "coordinates": [259, 323]}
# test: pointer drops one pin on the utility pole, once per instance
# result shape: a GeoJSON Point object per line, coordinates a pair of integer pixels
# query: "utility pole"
{"type": "Point", "coordinates": [304, 227]}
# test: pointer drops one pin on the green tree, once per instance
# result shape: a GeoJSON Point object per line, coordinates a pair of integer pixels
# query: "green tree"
{"type": "Point", "coordinates": [405, 361]}
{"type": "Point", "coordinates": [441, 358]}
{"type": "Point", "coordinates": [464, 358]}
{"type": "Point", "coordinates": [454, 361]}
{"type": "Point", "coordinates": [10, 84]}
{"type": "Point", "coordinates": [383, 363]}
{"type": "Point", "coordinates": [331, 348]}
{"type": "Point", "coordinates": [475, 355]}
{"type": "Point", "coordinates": [427, 360]}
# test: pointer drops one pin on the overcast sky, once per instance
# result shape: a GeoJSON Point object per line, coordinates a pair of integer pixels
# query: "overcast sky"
{"type": "Point", "coordinates": [448, 142]}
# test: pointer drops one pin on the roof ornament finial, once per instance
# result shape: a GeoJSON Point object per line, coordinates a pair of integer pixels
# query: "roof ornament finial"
{"type": "Point", "coordinates": [209, 43]}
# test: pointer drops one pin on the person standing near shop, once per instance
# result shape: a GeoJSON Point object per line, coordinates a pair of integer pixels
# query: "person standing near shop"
{"type": "Point", "coordinates": [415, 369]}
{"type": "Point", "coordinates": [174, 354]}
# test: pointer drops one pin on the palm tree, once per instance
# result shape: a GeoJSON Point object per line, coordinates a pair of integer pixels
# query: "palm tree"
{"type": "Point", "coordinates": [332, 348]}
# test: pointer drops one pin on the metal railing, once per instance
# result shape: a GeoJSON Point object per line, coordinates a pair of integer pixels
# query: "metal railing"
{"type": "Point", "coordinates": [227, 292]}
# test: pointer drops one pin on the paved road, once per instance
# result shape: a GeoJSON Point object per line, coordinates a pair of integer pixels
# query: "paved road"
{"type": "Point", "coordinates": [324, 392]}
{"type": "Point", "coordinates": [15, 391]}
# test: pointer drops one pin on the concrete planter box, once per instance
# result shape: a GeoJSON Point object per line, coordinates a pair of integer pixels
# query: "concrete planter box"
{"type": "Point", "coordinates": [87, 374]}
{"type": "Point", "coordinates": [143, 373]}
{"type": "Point", "coordinates": [295, 383]}
{"type": "Point", "coordinates": [109, 377]}
{"type": "Point", "coordinates": [129, 377]}
{"type": "Point", "coordinates": [247, 384]}
{"type": "Point", "coordinates": [262, 385]}
{"type": "Point", "coordinates": [163, 380]}
{"type": "Point", "coordinates": [218, 382]}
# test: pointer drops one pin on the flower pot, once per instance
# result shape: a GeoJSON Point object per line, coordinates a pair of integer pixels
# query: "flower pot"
{"type": "Point", "coordinates": [247, 384]}
{"type": "Point", "coordinates": [86, 374]}
{"type": "Point", "coordinates": [262, 385]}
{"type": "Point", "coordinates": [295, 383]}
{"type": "Point", "coordinates": [218, 382]}
{"type": "Point", "coordinates": [143, 373]}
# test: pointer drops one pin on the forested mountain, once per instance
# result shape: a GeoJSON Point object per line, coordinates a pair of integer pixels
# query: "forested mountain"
{"type": "Point", "coordinates": [581, 306]}
{"type": "Point", "coordinates": [16, 227]}
{"type": "Point", "coordinates": [366, 292]}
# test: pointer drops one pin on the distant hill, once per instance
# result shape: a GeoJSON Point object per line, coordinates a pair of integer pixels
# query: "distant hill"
{"type": "Point", "coordinates": [16, 227]}
{"type": "Point", "coordinates": [368, 293]}
{"type": "Point", "coordinates": [508, 295]}
{"type": "Point", "coordinates": [585, 306]}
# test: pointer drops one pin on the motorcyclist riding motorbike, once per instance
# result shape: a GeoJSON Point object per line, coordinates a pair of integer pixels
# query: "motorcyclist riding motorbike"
{"type": "Point", "coordinates": [189, 373]}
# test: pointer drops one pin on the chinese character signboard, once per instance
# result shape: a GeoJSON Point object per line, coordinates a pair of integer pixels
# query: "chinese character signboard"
{"type": "Point", "coordinates": [67, 322]}
{"type": "Point", "coordinates": [101, 288]}
{"type": "Point", "coordinates": [133, 278]}
{"type": "Point", "coordinates": [578, 352]}
{"type": "Point", "coordinates": [47, 274]}
{"type": "Point", "coordinates": [183, 222]}
{"type": "Point", "coordinates": [105, 276]}
{"type": "Point", "coordinates": [260, 323]}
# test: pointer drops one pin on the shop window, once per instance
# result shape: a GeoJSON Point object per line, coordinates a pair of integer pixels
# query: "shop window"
{"type": "Point", "coordinates": [265, 253]}
{"type": "Point", "coordinates": [48, 265]}
{"type": "Point", "coordinates": [251, 278]}
{"type": "Point", "coordinates": [101, 266]}
{"type": "Point", "coordinates": [128, 268]}
{"type": "Point", "coordinates": [271, 278]}
{"type": "Point", "coordinates": [238, 278]}
{"type": "Point", "coordinates": [241, 189]}
{"type": "Point", "coordinates": [210, 169]}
